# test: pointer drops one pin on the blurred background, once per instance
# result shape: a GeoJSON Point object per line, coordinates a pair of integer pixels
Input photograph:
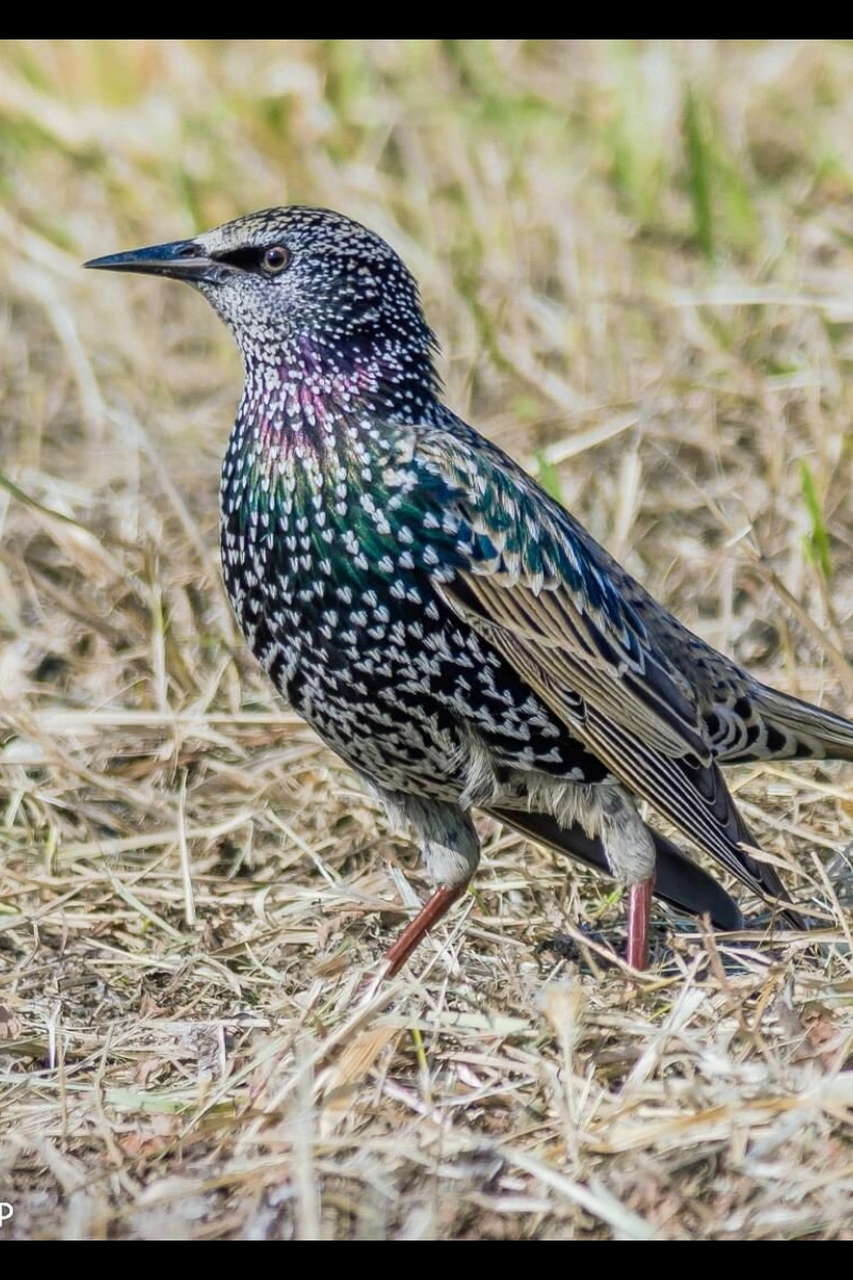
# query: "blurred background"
{"type": "Point", "coordinates": [638, 258]}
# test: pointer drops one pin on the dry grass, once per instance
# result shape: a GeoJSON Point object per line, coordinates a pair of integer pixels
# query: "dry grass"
{"type": "Point", "coordinates": [639, 261]}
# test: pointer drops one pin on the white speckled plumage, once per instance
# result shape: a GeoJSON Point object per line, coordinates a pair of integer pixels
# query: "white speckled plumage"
{"type": "Point", "coordinates": [442, 623]}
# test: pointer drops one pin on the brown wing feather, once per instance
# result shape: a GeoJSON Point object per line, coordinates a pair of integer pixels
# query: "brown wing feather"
{"type": "Point", "coordinates": [601, 709]}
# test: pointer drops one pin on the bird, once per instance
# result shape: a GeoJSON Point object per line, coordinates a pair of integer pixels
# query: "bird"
{"type": "Point", "coordinates": [446, 626]}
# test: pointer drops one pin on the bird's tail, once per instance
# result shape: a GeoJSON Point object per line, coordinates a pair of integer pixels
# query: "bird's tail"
{"type": "Point", "coordinates": [678, 880]}
{"type": "Point", "coordinates": [783, 727]}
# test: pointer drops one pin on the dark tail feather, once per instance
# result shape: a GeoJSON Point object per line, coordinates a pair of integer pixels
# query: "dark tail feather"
{"type": "Point", "coordinates": [678, 879]}
{"type": "Point", "coordinates": [796, 729]}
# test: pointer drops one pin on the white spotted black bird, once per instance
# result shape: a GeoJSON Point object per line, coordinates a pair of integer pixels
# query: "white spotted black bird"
{"type": "Point", "coordinates": [442, 622]}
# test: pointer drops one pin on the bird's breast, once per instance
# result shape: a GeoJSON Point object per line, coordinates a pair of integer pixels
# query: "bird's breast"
{"type": "Point", "coordinates": [336, 583]}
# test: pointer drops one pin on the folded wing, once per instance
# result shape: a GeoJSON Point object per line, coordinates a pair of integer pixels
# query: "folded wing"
{"type": "Point", "coordinates": [531, 583]}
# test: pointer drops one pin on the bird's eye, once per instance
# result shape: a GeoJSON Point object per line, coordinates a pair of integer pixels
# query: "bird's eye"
{"type": "Point", "coordinates": [275, 259]}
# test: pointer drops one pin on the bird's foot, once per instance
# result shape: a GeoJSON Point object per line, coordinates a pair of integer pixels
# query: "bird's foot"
{"type": "Point", "coordinates": [564, 947]}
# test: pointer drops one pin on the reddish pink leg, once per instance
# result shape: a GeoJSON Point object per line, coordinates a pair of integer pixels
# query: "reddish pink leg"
{"type": "Point", "coordinates": [639, 912]}
{"type": "Point", "coordinates": [432, 911]}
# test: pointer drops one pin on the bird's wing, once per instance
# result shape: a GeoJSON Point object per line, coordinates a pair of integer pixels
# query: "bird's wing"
{"type": "Point", "coordinates": [522, 573]}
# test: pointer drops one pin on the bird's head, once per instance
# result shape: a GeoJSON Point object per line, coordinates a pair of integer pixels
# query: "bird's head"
{"type": "Point", "coordinates": [306, 288]}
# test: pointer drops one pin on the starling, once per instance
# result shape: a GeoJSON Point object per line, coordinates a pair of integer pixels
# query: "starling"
{"type": "Point", "coordinates": [443, 623]}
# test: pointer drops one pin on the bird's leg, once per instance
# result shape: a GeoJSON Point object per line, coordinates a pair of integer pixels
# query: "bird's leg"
{"type": "Point", "coordinates": [430, 913]}
{"type": "Point", "coordinates": [451, 850]}
{"type": "Point", "coordinates": [630, 850]}
{"type": "Point", "coordinates": [639, 912]}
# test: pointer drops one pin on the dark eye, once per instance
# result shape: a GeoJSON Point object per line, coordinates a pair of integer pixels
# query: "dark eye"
{"type": "Point", "coordinates": [275, 259]}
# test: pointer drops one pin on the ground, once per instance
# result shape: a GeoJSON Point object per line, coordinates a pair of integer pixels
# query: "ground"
{"type": "Point", "coordinates": [638, 258]}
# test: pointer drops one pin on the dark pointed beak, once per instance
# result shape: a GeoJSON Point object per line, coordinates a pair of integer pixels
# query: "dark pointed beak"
{"type": "Point", "coordinates": [180, 259]}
